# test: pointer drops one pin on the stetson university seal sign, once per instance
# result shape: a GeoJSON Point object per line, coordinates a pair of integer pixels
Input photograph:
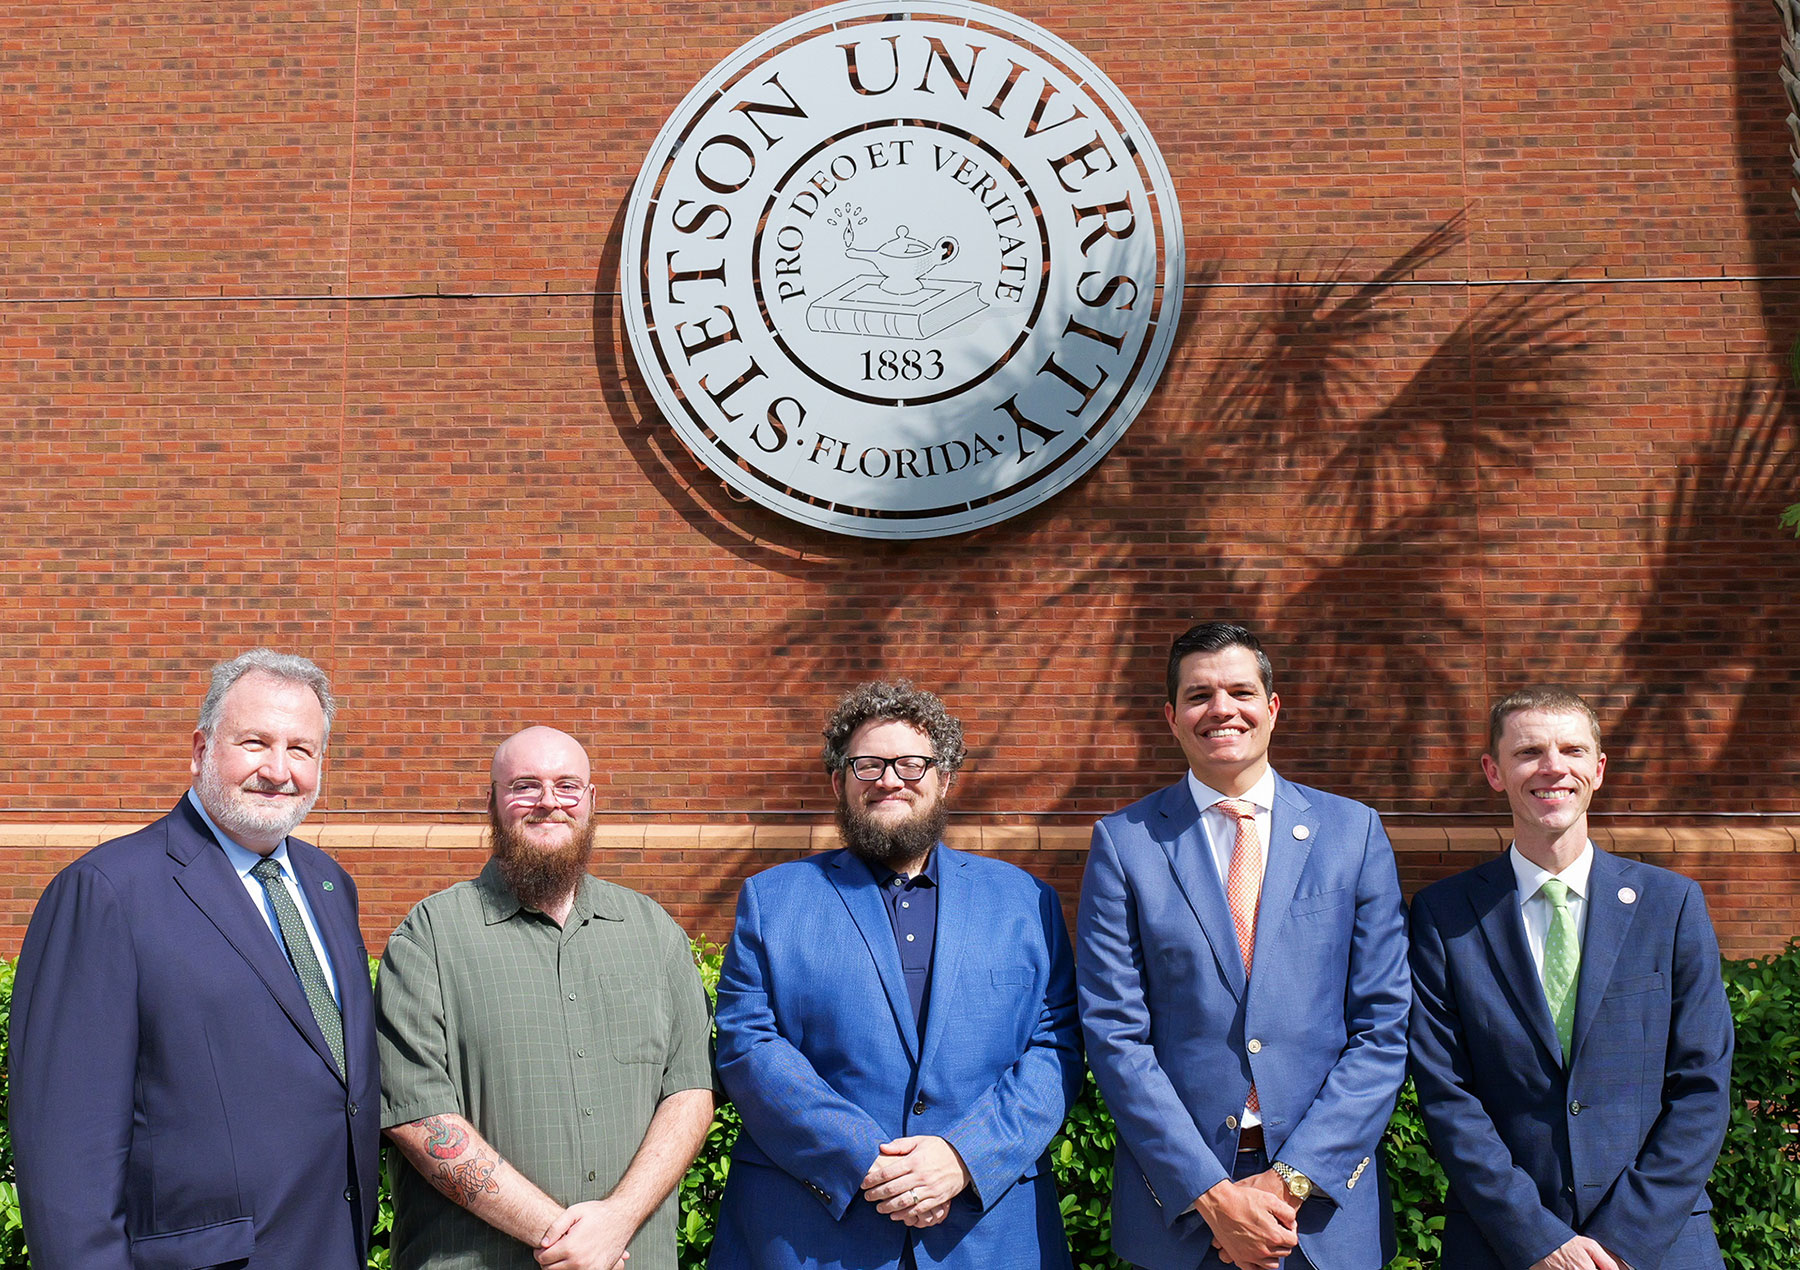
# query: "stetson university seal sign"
{"type": "Point", "coordinates": [901, 273]}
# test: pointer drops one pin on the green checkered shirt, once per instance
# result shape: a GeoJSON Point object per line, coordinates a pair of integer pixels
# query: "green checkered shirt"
{"type": "Point", "coordinates": [555, 1043]}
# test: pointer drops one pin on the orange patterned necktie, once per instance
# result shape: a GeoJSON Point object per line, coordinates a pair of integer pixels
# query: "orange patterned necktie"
{"type": "Point", "coordinates": [1243, 888]}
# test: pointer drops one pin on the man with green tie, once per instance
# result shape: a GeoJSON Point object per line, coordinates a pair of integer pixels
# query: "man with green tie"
{"type": "Point", "coordinates": [1570, 1039]}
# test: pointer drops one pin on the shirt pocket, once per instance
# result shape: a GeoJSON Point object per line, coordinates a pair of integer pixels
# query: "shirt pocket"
{"type": "Point", "coordinates": [635, 1017]}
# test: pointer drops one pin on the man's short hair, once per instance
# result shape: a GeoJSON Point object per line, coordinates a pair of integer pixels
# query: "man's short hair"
{"type": "Point", "coordinates": [1213, 637]}
{"type": "Point", "coordinates": [288, 667]}
{"type": "Point", "coordinates": [1552, 698]}
{"type": "Point", "coordinates": [899, 701]}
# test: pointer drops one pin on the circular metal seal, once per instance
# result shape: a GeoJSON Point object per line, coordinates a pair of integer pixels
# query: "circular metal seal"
{"type": "Point", "coordinates": [902, 274]}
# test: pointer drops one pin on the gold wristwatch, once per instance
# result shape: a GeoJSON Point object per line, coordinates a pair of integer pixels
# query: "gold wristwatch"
{"type": "Point", "coordinates": [1298, 1184]}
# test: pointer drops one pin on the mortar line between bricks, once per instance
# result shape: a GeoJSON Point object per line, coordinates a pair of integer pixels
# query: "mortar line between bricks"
{"type": "Point", "coordinates": [1335, 282]}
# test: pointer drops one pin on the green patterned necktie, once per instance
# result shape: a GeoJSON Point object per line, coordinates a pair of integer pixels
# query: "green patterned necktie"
{"type": "Point", "coordinates": [300, 954]}
{"type": "Point", "coordinates": [1562, 961]}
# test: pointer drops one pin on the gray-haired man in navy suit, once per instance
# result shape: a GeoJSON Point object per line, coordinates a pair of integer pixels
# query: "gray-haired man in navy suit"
{"type": "Point", "coordinates": [193, 1036]}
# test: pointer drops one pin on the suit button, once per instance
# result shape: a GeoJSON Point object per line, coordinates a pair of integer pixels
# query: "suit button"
{"type": "Point", "coordinates": [350, 1194]}
{"type": "Point", "coordinates": [1575, 1108]}
{"type": "Point", "coordinates": [1231, 1122]}
{"type": "Point", "coordinates": [919, 1107]}
{"type": "Point", "coordinates": [353, 1109]}
{"type": "Point", "coordinates": [1254, 1046]}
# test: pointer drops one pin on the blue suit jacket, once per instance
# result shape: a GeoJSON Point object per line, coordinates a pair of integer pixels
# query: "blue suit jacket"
{"type": "Point", "coordinates": [174, 1104]}
{"type": "Point", "coordinates": [1175, 1034]}
{"type": "Point", "coordinates": [818, 1050]}
{"type": "Point", "coordinates": [1619, 1145]}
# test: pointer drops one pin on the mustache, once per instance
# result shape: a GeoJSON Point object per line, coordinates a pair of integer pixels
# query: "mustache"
{"type": "Point", "coordinates": [258, 785]}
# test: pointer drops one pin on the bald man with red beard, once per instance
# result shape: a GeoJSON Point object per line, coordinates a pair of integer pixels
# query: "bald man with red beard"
{"type": "Point", "coordinates": [546, 1065]}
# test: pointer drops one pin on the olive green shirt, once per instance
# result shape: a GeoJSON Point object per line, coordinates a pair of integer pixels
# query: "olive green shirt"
{"type": "Point", "coordinates": [556, 1043]}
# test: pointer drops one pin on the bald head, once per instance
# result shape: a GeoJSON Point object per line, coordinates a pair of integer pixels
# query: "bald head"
{"type": "Point", "coordinates": [536, 751]}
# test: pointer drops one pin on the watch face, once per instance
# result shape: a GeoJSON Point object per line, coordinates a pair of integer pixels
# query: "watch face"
{"type": "Point", "coordinates": [1298, 1184]}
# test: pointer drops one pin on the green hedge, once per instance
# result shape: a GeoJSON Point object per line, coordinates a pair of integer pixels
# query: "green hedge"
{"type": "Point", "coordinates": [1756, 1187]}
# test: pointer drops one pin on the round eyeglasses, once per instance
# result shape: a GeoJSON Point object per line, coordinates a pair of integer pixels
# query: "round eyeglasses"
{"type": "Point", "coordinates": [529, 793]}
{"type": "Point", "coordinates": [908, 767]}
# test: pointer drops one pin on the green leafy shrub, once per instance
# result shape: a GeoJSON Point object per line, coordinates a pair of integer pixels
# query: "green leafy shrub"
{"type": "Point", "coordinates": [12, 1226]}
{"type": "Point", "coordinates": [1756, 1187]}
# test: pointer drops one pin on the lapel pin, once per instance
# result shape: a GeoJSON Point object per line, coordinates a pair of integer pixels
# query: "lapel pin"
{"type": "Point", "coordinates": [326, 885]}
{"type": "Point", "coordinates": [1302, 832]}
{"type": "Point", "coordinates": [1627, 895]}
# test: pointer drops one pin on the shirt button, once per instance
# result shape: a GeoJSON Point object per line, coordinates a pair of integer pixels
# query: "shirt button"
{"type": "Point", "coordinates": [571, 996]}
{"type": "Point", "coordinates": [905, 903]}
{"type": "Point", "coordinates": [1575, 1108]}
{"type": "Point", "coordinates": [580, 1053]}
{"type": "Point", "coordinates": [587, 1111]}
{"type": "Point", "coordinates": [919, 1107]}
{"type": "Point", "coordinates": [910, 938]}
{"type": "Point", "coordinates": [1255, 1046]}
{"type": "Point", "coordinates": [590, 1175]}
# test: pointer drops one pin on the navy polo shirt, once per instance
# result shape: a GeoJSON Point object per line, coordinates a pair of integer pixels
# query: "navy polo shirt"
{"type": "Point", "coordinates": [912, 911]}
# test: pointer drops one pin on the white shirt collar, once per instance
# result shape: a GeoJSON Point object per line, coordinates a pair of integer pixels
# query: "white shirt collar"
{"type": "Point", "coordinates": [1530, 876]}
{"type": "Point", "coordinates": [242, 858]}
{"type": "Point", "coordinates": [1261, 795]}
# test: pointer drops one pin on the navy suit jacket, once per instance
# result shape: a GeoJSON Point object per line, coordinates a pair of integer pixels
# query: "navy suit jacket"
{"type": "Point", "coordinates": [1616, 1146]}
{"type": "Point", "coordinates": [1619, 1143]}
{"type": "Point", "coordinates": [174, 1104]}
{"type": "Point", "coordinates": [820, 1054]}
{"type": "Point", "coordinates": [1175, 1034]}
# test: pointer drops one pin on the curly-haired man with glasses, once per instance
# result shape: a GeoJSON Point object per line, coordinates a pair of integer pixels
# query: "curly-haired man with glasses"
{"type": "Point", "coordinates": [896, 1027]}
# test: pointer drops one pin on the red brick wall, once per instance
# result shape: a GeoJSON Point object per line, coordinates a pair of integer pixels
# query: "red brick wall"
{"type": "Point", "coordinates": [309, 335]}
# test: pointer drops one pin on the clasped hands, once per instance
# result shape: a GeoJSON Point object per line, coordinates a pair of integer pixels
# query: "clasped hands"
{"type": "Point", "coordinates": [1580, 1253]}
{"type": "Point", "coordinates": [913, 1180]}
{"type": "Point", "coordinates": [587, 1236]}
{"type": "Point", "coordinates": [1254, 1222]}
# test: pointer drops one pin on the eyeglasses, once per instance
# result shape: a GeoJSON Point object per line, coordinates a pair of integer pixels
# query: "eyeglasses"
{"type": "Point", "coordinates": [529, 793]}
{"type": "Point", "coordinates": [908, 767]}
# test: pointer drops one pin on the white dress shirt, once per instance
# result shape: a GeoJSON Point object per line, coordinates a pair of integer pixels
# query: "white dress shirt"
{"type": "Point", "coordinates": [1221, 839]}
{"type": "Point", "coordinates": [243, 860]}
{"type": "Point", "coordinates": [1536, 910]}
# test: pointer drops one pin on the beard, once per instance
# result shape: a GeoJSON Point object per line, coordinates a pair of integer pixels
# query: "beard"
{"type": "Point", "coordinates": [244, 818]}
{"type": "Point", "coordinates": [889, 846]}
{"type": "Point", "coordinates": [540, 877]}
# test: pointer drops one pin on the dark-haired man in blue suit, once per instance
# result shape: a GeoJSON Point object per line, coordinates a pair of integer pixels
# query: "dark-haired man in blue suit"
{"type": "Point", "coordinates": [1243, 988]}
{"type": "Point", "coordinates": [1571, 1042]}
{"type": "Point", "coordinates": [897, 1029]}
{"type": "Point", "coordinates": [193, 1039]}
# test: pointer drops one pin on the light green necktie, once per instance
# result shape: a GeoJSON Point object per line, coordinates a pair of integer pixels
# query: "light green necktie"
{"type": "Point", "coordinates": [1562, 961]}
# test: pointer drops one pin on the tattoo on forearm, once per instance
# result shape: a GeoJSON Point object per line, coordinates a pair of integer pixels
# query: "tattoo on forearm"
{"type": "Point", "coordinates": [465, 1181]}
{"type": "Point", "coordinates": [444, 1138]}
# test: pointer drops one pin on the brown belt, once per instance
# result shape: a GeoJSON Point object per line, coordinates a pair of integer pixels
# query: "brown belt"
{"type": "Point", "coordinates": [1251, 1138]}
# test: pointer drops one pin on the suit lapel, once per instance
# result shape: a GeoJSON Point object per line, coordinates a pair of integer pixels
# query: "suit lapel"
{"type": "Point", "coordinates": [1495, 898]}
{"type": "Point", "coordinates": [955, 909]}
{"type": "Point", "coordinates": [1183, 840]}
{"type": "Point", "coordinates": [1288, 853]}
{"type": "Point", "coordinates": [1608, 925]}
{"type": "Point", "coordinates": [204, 873]}
{"type": "Point", "coordinates": [856, 886]}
